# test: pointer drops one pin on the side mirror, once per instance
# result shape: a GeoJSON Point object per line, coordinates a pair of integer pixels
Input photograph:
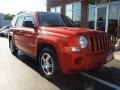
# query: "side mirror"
{"type": "Point", "coordinates": [28, 24]}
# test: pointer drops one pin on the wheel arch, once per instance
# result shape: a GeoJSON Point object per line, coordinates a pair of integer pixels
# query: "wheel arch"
{"type": "Point", "coordinates": [42, 45]}
{"type": "Point", "coordinates": [9, 37]}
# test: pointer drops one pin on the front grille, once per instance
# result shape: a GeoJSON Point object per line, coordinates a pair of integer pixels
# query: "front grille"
{"type": "Point", "coordinates": [99, 43]}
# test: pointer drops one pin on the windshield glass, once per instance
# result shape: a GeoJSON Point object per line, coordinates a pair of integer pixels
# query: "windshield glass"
{"type": "Point", "coordinates": [54, 19]}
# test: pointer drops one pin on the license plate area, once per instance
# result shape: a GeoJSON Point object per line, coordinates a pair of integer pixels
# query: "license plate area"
{"type": "Point", "coordinates": [109, 57]}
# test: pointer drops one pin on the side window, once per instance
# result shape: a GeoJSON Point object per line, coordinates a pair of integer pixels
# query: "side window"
{"type": "Point", "coordinates": [19, 22]}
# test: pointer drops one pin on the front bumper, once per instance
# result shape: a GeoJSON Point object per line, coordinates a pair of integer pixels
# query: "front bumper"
{"type": "Point", "coordinates": [74, 62]}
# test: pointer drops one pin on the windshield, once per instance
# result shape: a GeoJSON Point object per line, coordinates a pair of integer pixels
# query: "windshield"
{"type": "Point", "coordinates": [54, 19]}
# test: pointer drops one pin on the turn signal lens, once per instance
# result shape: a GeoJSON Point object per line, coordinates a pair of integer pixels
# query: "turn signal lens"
{"type": "Point", "coordinates": [72, 49]}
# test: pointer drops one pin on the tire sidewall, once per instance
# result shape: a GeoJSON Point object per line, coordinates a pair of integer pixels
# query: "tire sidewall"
{"type": "Point", "coordinates": [14, 50]}
{"type": "Point", "coordinates": [55, 61]}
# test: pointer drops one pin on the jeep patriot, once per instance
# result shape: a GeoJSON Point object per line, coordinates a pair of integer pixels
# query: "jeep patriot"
{"type": "Point", "coordinates": [57, 45]}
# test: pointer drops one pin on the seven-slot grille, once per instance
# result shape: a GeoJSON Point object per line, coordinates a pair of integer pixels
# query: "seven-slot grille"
{"type": "Point", "coordinates": [99, 43]}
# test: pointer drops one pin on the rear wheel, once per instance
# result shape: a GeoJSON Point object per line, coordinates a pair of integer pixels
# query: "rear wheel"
{"type": "Point", "coordinates": [48, 64]}
{"type": "Point", "coordinates": [12, 47]}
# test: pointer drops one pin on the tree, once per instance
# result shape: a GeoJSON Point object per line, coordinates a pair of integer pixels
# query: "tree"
{"type": "Point", "coordinates": [9, 16]}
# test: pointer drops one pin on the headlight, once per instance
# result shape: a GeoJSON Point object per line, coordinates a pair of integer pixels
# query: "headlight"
{"type": "Point", "coordinates": [83, 42]}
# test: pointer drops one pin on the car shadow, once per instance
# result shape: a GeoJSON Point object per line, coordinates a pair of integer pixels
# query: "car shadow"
{"type": "Point", "coordinates": [78, 81]}
{"type": "Point", "coordinates": [3, 37]}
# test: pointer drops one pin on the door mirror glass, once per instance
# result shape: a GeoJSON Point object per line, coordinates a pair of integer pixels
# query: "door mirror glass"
{"type": "Point", "coordinates": [28, 24]}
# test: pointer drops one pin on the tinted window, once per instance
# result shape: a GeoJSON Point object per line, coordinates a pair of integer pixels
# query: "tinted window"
{"type": "Point", "coordinates": [54, 19]}
{"type": "Point", "coordinates": [19, 22]}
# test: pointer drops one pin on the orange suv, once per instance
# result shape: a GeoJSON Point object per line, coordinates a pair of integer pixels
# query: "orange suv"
{"type": "Point", "coordinates": [57, 45]}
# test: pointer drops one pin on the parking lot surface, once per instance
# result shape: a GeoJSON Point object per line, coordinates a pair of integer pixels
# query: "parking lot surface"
{"type": "Point", "coordinates": [17, 75]}
{"type": "Point", "coordinates": [20, 73]}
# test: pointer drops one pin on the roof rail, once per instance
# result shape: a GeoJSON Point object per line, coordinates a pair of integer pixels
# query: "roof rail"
{"type": "Point", "coordinates": [21, 12]}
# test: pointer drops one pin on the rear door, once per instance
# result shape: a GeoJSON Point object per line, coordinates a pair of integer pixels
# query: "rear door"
{"type": "Point", "coordinates": [18, 32]}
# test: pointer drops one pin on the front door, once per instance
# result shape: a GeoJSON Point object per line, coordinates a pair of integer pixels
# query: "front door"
{"type": "Point", "coordinates": [101, 19]}
{"type": "Point", "coordinates": [29, 36]}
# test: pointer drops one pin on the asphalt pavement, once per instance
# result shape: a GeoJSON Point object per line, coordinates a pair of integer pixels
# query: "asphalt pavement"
{"type": "Point", "coordinates": [20, 73]}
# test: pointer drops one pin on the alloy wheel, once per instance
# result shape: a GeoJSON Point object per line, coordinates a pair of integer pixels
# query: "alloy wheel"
{"type": "Point", "coordinates": [47, 64]}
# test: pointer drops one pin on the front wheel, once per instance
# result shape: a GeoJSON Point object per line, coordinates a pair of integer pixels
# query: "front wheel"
{"type": "Point", "coordinates": [48, 64]}
{"type": "Point", "coordinates": [12, 47]}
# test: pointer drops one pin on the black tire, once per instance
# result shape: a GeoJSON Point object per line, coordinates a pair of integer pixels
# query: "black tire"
{"type": "Point", "coordinates": [56, 74]}
{"type": "Point", "coordinates": [12, 47]}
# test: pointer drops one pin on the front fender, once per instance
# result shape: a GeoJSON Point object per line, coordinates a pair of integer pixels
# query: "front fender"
{"type": "Point", "coordinates": [57, 43]}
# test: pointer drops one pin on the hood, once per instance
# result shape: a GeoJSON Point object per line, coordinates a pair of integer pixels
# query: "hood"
{"type": "Point", "coordinates": [71, 30]}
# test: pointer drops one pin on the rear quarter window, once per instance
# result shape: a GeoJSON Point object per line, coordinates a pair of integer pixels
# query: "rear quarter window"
{"type": "Point", "coordinates": [14, 21]}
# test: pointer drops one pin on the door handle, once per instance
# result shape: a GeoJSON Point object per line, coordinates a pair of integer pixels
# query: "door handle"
{"type": "Point", "coordinates": [27, 35]}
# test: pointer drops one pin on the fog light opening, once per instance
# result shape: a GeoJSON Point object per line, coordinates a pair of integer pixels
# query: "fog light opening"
{"type": "Point", "coordinates": [78, 61]}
